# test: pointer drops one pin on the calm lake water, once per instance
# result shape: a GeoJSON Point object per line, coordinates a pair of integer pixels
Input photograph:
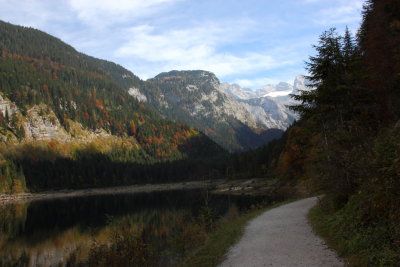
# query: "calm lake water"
{"type": "Point", "coordinates": [63, 232]}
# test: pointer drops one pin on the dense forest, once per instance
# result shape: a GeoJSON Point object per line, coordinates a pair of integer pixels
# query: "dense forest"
{"type": "Point", "coordinates": [346, 144]}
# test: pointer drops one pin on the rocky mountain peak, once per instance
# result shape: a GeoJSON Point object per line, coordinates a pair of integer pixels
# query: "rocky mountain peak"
{"type": "Point", "coordinates": [300, 84]}
{"type": "Point", "coordinates": [237, 92]}
{"type": "Point", "coordinates": [267, 105]}
{"type": "Point", "coordinates": [193, 74]}
{"type": "Point", "coordinates": [283, 86]}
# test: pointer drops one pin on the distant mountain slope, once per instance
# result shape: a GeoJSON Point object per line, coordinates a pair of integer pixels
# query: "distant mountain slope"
{"type": "Point", "coordinates": [50, 91]}
{"type": "Point", "coordinates": [193, 98]}
{"type": "Point", "coordinates": [97, 94]}
{"type": "Point", "coordinates": [268, 105]}
{"type": "Point", "coordinates": [239, 93]}
{"type": "Point", "coordinates": [268, 112]}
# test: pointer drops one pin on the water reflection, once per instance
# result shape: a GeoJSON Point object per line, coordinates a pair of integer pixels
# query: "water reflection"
{"type": "Point", "coordinates": [65, 231]}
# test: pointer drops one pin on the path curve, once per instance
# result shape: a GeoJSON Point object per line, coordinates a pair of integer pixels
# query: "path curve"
{"type": "Point", "coordinates": [282, 237]}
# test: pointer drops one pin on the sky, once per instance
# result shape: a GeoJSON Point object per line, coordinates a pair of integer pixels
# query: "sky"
{"type": "Point", "coordinates": [251, 43]}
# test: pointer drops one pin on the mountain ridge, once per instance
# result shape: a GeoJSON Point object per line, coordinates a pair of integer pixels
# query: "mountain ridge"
{"type": "Point", "coordinates": [218, 115]}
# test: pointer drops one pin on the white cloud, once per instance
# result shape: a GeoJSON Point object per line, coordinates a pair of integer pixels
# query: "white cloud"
{"type": "Point", "coordinates": [151, 36]}
{"type": "Point", "coordinates": [345, 13]}
{"type": "Point", "coordinates": [169, 45]}
{"type": "Point", "coordinates": [104, 12]}
{"type": "Point", "coordinates": [194, 48]}
{"type": "Point", "coordinates": [35, 14]}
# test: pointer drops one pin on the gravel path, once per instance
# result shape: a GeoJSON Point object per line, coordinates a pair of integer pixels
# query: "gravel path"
{"type": "Point", "coordinates": [282, 237]}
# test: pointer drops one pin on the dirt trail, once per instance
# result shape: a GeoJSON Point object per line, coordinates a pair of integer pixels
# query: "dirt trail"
{"type": "Point", "coordinates": [282, 237]}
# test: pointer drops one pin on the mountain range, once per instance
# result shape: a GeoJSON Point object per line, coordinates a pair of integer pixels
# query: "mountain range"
{"type": "Point", "coordinates": [51, 91]}
{"type": "Point", "coordinates": [236, 118]}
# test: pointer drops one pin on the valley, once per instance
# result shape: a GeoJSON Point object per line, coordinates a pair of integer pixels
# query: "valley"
{"type": "Point", "coordinates": [99, 167]}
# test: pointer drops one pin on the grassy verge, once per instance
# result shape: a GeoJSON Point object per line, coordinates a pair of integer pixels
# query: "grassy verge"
{"type": "Point", "coordinates": [360, 242]}
{"type": "Point", "coordinates": [321, 223]}
{"type": "Point", "coordinates": [214, 249]}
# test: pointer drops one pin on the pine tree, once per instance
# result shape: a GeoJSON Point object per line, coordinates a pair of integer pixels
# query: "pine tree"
{"type": "Point", "coordinates": [325, 73]}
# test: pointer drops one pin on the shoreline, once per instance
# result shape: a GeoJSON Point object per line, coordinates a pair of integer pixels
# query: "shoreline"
{"type": "Point", "coordinates": [68, 193]}
{"type": "Point", "coordinates": [220, 186]}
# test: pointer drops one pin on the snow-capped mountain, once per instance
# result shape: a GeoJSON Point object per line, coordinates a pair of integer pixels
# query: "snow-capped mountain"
{"type": "Point", "coordinates": [268, 104]}
{"type": "Point", "coordinates": [281, 89]}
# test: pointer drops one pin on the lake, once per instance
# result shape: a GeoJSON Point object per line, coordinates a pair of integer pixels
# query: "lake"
{"type": "Point", "coordinates": [158, 228]}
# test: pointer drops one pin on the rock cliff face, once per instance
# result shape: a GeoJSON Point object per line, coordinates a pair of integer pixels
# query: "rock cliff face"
{"type": "Point", "coordinates": [135, 92]}
{"type": "Point", "coordinates": [269, 113]}
{"type": "Point", "coordinates": [7, 108]}
{"type": "Point", "coordinates": [42, 124]}
{"type": "Point", "coordinates": [235, 91]}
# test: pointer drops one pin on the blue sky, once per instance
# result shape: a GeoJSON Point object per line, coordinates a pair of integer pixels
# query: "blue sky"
{"type": "Point", "coordinates": [252, 42]}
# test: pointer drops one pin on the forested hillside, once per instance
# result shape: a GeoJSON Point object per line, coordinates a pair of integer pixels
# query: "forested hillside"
{"type": "Point", "coordinates": [347, 143]}
{"type": "Point", "coordinates": [67, 120]}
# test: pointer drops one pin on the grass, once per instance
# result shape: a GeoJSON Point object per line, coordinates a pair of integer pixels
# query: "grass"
{"type": "Point", "coordinates": [360, 243]}
{"type": "Point", "coordinates": [213, 251]}
{"type": "Point", "coordinates": [321, 224]}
